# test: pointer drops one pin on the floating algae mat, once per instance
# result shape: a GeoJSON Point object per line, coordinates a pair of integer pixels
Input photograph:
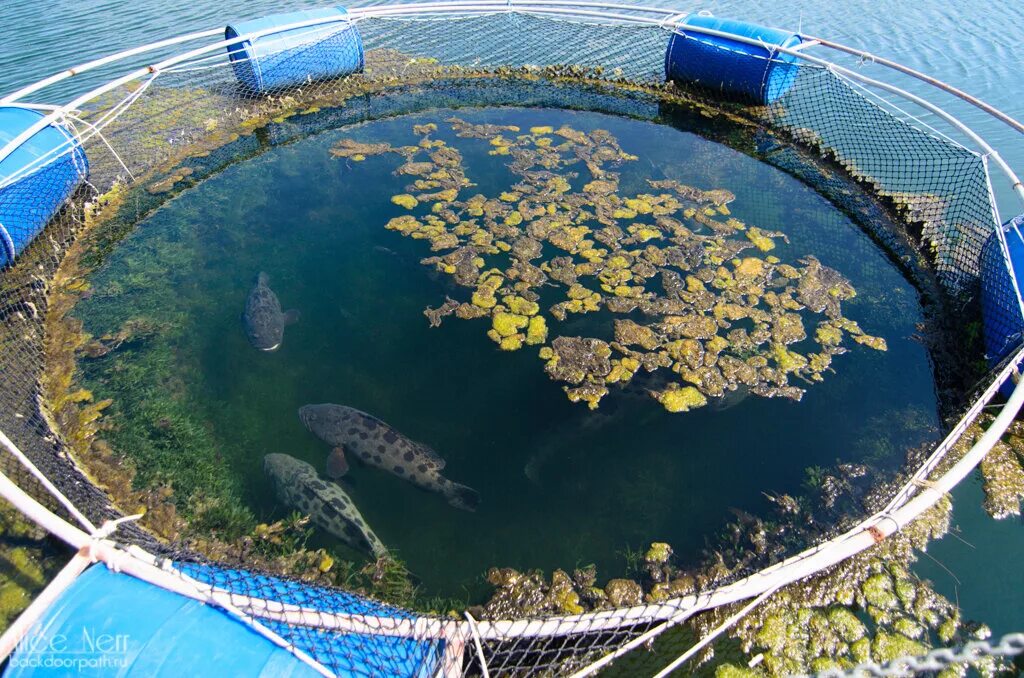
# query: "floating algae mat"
{"type": "Point", "coordinates": [597, 331]}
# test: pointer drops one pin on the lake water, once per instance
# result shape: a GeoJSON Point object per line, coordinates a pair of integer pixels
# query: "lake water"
{"type": "Point", "coordinates": [970, 46]}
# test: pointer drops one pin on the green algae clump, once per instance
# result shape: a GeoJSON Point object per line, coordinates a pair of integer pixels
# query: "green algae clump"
{"type": "Point", "coordinates": [405, 200]}
{"type": "Point", "coordinates": [682, 399]}
{"type": "Point", "coordinates": [716, 317]}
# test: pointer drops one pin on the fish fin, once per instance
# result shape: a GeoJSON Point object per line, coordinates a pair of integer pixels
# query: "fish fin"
{"type": "Point", "coordinates": [337, 464]}
{"type": "Point", "coordinates": [462, 497]}
{"type": "Point", "coordinates": [291, 316]}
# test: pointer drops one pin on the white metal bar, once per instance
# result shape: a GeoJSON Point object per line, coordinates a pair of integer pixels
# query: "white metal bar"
{"type": "Point", "coordinates": [103, 61]}
{"type": "Point", "coordinates": [934, 82]}
{"type": "Point", "coordinates": [124, 561]}
{"type": "Point", "coordinates": [41, 477]}
{"type": "Point", "coordinates": [719, 630]}
{"type": "Point", "coordinates": [21, 626]}
{"type": "Point", "coordinates": [479, 645]}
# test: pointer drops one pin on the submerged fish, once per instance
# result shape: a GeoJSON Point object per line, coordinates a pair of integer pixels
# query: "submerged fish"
{"type": "Point", "coordinates": [379, 445]}
{"type": "Point", "coordinates": [298, 485]}
{"type": "Point", "coordinates": [263, 320]}
{"type": "Point", "coordinates": [731, 399]}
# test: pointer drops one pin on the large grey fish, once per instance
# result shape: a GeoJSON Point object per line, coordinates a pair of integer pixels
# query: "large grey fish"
{"type": "Point", "coordinates": [377, 444]}
{"type": "Point", "coordinates": [263, 320]}
{"type": "Point", "coordinates": [298, 485]}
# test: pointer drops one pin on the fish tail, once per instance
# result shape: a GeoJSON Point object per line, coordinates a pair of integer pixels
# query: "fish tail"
{"type": "Point", "coordinates": [378, 549]}
{"type": "Point", "coordinates": [461, 496]}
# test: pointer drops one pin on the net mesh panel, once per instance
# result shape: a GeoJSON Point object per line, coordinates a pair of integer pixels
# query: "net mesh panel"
{"type": "Point", "coordinates": [939, 188]}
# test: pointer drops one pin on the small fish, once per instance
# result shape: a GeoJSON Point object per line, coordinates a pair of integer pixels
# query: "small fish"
{"type": "Point", "coordinates": [385, 250]}
{"type": "Point", "coordinates": [298, 485]}
{"type": "Point", "coordinates": [263, 320]}
{"type": "Point", "coordinates": [377, 444]}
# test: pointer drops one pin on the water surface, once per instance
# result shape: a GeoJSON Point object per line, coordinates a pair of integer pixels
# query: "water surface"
{"type": "Point", "coordinates": [561, 485]}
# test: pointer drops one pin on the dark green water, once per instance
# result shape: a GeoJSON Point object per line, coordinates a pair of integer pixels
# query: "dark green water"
{"type": "Point", "coordinates": [600, 482]}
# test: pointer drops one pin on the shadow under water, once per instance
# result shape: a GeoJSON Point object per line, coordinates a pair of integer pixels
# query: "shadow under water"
{"type": "Point", "coordinates": [197, 407]}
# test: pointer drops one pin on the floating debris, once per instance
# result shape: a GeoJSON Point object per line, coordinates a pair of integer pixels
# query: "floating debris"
{"type": "Point", "coordinates": [714, 312]}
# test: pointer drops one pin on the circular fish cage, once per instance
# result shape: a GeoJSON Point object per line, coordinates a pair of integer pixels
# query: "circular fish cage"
{"type": "Point", "coordinates": [92, 152]}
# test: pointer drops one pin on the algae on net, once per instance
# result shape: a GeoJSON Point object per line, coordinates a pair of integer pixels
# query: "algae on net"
{"type": "Point", "coordinates": [715, 308]}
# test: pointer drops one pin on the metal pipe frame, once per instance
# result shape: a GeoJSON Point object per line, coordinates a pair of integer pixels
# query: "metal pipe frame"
{"type": "Point", "coordinates": [910, 502]}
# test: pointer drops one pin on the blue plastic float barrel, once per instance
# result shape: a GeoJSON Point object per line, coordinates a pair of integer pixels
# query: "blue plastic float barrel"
{"type": "Point", "coordinates": [37, 177]}
{"type": "Point", "coordinates": [758, 74]}
{"type": "Point", "coordinates": [1001, 316]}
{"type": "Point", "coordinates": [108, 624]}
{"type": "Point", "coordinates": [293, 57]}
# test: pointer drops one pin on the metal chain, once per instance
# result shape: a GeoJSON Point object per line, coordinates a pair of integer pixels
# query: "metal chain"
{"type": "Point", "coordinates": [1009, 645]}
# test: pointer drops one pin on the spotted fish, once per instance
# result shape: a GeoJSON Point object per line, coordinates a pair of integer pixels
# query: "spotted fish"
{"type": "Point", "coordinates": [377, 444]}
{"type": "Point", "coordinates": [298, 485]}
{"type": "Point", "coordinates": [263, 320]}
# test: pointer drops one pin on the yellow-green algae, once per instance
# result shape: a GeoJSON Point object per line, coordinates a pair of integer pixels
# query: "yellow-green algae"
{"type": "Point", "coordinates": [867, 608]}
{"type": "Point", "coordinates": [1003, 472]}
{"type": "Point", "coordinates": [719, 317]}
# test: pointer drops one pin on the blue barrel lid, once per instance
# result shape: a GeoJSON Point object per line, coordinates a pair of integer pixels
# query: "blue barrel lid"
{"type": "Point", "coordinates": [277, 42]}
{"type": "Point", "coordinates": [49, 142]}
{"type": "Point", "coordinates": [770, 36]}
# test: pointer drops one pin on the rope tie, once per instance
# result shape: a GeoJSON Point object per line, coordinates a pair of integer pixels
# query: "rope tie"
{"type": "Point", "coordinates": [888, 516]}
{"type": "Point", "coordinates": [103, 532]}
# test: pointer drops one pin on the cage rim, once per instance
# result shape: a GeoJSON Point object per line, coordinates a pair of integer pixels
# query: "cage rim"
{"type": "Point", "coordinates": [902, 508]}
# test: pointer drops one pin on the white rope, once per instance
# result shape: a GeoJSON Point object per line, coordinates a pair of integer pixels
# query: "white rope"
{"type": "Point", "coordinates": [106, 143]}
